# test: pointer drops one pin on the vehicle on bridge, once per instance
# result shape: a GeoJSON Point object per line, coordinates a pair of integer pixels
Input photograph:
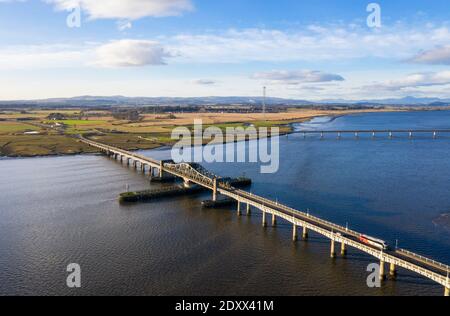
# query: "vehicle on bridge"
{"type": "Point", "coordinates": [375, 242]}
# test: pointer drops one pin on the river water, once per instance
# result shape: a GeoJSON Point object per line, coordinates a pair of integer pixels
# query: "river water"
{"type": "Point", "coordinates": [61, 210]}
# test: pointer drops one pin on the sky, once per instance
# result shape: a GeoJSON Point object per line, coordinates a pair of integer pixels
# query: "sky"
{"type": "Point", "coordinates": [298, 49]}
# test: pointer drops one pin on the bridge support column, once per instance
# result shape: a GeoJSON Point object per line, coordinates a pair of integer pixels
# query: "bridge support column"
{"type": "Point", "coordinates": [447, 292]}
{"type": "Point", "coordinates": [392, 271]}
{"type": "Point", "coordinates": [186, 183]}
{"type": "Point", "coordinates": [249, 211]}
{"type": "Point", "coordinates": [382, 274]}
{"type": "Point", "coordinates": [274, 220]}
{"type": "Point", "coordinates": [239, 208]}
{"type": "Point", "coordinates": [161, 169]}
{"type": "Point", "coordinates": [305, 233]}
{"type": "Point", "coordinates": [294, 233]}
{"type": "Point", "coordinates": [332, 251]}
{"type": "Point", "coordinates": [343, 250]}
{"type": "Point", "coordinates": [264, 222]}
{"type": "Point", "coordinates": [214, 198]}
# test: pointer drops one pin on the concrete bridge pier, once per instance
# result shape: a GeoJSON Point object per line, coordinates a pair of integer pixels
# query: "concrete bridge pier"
{"type": "Point", "coordinates": [239, 208]}
{"type": "Point", "coordinates": [249, 210]}
{"type": "Point", "coordinates": [447, 291]}
{"type": "Point", "coordinates": [339, 135]}
{"type": "Point", "coordinates": [186, 183]}
{"type": "Point", "coordinates": [333, 251]}
{"type": "Point", "coordinates": [410, 134]}
{"type": "Point", "coordinates": [434, 135]}
{"type": "Point", "coordinates": [274, 220]}
{"type": "Point", "coordinates": [161, 171]}
{"type": "Point", "coordinates": [214, 198]}
{"type": "Point", "coordinates": [294, 233]}
{"type": "Point", "coordinates": [264, 222]}
{"type": "Point", "coordinates": [305, 233]}
{"type": "Point", "coordinates": [391, 135]}
{"type": "Point", "coordinates": [382, 274]}
{"type": "Point", "coordinates": [392, 271]}
{"type": "Point", "coordinates": [343, 249]}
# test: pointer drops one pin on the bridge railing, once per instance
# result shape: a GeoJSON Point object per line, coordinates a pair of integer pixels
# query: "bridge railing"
{"type": "Point", "coordinates": [307, 215]}
{"type": "Point", "coordinates": [425, 259]}
{"type": "Point", "coordinates": [115, 149]}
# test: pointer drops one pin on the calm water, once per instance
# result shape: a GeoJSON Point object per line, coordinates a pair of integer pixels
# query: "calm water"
{"type": "Point", "coordinates": [55, 211]}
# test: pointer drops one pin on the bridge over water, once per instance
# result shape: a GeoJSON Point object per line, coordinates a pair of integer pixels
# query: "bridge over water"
{"type": "Point", "coordinates": [338, 235]}
{"type": "Point", "coordinates": [410, 133]}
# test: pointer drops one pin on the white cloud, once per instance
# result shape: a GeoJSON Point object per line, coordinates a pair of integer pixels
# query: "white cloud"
{"type": "Point", "coordinates": [126, 9]}
{"type": "Point", "coordinates": [124, 25]}
{"type": "Point", "coordinates": [334, 42]}
{"type": "Point", "coordinates": [204, 82]}
{"type": "Point", "coordinates": [131, 53]}
{"type": "Point", "coordinates": [435, 56]}
{"type": "Point", "coordinates": [413, 81]}
{"type": "Point", "coordinates": [121, 53]}
{"type": "Point", "coordinates": [297, 76]}
{"type": "Point", "coordinates": [44, 56]}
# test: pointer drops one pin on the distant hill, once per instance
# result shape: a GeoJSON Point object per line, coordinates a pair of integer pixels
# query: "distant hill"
{"type": "Point", "coordinates": [96, 101]}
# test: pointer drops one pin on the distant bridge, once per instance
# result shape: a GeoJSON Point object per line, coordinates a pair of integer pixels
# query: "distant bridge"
{"type": "Point", "coordinates": [194, 173]}
{"type": "Point", "coordinates": [411, 133]}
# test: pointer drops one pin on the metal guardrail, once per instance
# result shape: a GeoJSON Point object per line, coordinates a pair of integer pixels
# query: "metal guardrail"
{"type": "Point", "coordinates": [425, 259]}
{"type": "Point", "coordinates": [307, 215]}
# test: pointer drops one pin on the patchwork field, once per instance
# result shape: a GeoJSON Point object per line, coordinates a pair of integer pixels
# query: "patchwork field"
{"type": "Point", "coordinates": [34, 133]}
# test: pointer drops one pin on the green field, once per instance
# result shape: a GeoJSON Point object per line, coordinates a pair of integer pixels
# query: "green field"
{"type": "Point", "coordinates": [15, 127]}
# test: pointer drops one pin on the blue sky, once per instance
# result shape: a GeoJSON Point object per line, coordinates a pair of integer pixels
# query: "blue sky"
{"type": "Point", "coordinates": [298, 48]}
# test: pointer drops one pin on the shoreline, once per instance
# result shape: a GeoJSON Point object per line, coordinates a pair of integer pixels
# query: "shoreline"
{"type": "Point", "coordinates": [290, 125]}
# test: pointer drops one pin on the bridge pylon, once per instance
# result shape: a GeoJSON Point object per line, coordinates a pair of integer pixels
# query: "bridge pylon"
{"type": "Point", "coordinates": [215, 190]}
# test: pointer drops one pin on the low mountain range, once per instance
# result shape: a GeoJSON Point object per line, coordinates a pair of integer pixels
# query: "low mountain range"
{"type": "Point", "coordinates": [90, 101]}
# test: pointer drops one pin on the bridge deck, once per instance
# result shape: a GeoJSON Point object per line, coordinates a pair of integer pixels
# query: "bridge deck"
{"type": "Point", "coordinates": [380, 131]}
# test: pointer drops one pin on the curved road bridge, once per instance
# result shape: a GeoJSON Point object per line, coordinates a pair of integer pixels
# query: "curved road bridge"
{"type": "Point", "coordinates": [338, 235]}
